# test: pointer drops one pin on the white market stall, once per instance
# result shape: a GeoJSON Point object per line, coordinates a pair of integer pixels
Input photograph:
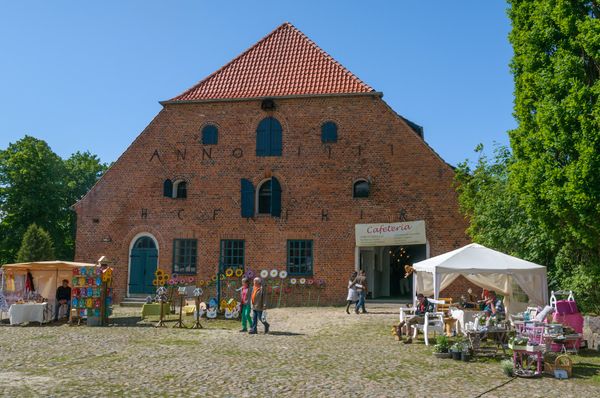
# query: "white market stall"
{"type": "Point", "coordinates": [486, 268]}
{"type": "Point", "coordinates": [47, 277]}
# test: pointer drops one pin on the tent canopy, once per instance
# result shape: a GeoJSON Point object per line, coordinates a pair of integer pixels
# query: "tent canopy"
{"type": "Point", "coordinates": [47, 275]}
{"type": "Point", "coordinates": [484, 267]}
{"type": "Point", "coordinates": [45, 266]}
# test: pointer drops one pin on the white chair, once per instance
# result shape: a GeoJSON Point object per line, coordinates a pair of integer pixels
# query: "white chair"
{"type": "Point", "coordinates": [434, 322]}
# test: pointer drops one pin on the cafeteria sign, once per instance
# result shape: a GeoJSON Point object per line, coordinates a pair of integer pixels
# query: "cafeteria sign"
{"type": "Point", "coordinates": [394, 234]}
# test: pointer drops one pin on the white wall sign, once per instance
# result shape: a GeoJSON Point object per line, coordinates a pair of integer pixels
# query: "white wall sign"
{"type": "Point", "coordinates": [393, 234]}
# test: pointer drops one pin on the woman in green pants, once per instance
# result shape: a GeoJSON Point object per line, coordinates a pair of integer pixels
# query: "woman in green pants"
{"type": "Point", "coordinates": [245, 293]}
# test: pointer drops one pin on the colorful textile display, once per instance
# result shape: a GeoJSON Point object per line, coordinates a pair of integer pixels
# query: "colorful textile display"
{"type": "Point", "coordinates": [86, 293]}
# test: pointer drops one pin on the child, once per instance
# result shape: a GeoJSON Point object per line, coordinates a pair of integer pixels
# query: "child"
{"type": "Point", "coordinates": [352, 292]}
{"type": "Point", "coordinates": [245, 293]}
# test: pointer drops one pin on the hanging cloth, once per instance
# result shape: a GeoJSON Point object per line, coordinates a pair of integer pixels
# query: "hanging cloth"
{"type": "Point", "coordinates": [29, 287]}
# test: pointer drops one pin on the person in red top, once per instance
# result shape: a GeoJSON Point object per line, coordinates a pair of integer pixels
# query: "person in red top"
{"type": "Point", "coordinates": [245, 294]}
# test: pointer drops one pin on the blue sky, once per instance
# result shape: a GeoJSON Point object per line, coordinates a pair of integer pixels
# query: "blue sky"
{"type": "Point", "coordinates": [89, 75]}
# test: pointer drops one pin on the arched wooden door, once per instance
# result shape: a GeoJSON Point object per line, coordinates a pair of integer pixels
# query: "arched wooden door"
{"type": "Point", "coordinates": [144, 260]}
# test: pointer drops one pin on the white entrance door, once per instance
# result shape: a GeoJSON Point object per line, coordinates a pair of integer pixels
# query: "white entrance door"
{"type": "Point", "coordinates": [367, 259]}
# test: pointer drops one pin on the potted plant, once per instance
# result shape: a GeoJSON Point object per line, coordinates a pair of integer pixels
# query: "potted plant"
{"type": "Point", "coordinates": [440, 349]}
{"type": "Point", "coordinates": [465, 353]}
{"type": "Point", "coordinates": [518, 343]}
{"type": "Point", "coordinates": [456, 350]}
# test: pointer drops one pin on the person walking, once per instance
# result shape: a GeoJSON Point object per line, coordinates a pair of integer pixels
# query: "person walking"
{"type": "Point", "coordinates": [259, 305]}
{"type": "Point", "coordinates": [245, 295]}
{"type": "Point", "coordinates": [361, 280]}
{"type": "Point", "coordinates": [352, 291]}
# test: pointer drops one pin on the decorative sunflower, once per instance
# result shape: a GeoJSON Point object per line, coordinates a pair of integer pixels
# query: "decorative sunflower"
{"type": "Point", "coordinates": [274, 273]}
{"type": "Point", "coordinates": [283, 274]}
{"type": "Point", "coordinates": [154, 282]}
{"type": "Point", "coordinates": [229, 272]}
{"type": "Point", "coordinates": [239, 272]}
{"type": "Point", "coordinates": [201, 282]}
{"type": "Point", "coordinates": [159, 272]}
{"type": "Point", "coordinates": [214, 278]}
{"type": "Point", "coordinates": [222, 277]}
{"type": "Point", "coordinates": [264, 273]}
{"type": "Point", "coordinates": [310, 281]}
{"type": "Point", "coordinates": [293, 281]}
{"type": "Point", "coordinates": [302, 281]}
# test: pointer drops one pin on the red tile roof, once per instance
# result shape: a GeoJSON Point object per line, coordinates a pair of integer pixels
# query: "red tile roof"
{"type": "Point", "coordinates": [285, 62]}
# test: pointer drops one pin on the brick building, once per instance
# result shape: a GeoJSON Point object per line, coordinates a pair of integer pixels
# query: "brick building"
{"type": "Point", "coordinates": [279, 159]}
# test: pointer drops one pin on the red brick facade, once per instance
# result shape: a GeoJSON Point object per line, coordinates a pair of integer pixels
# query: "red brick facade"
{"type": "Point", "coordinates": [406, 176]}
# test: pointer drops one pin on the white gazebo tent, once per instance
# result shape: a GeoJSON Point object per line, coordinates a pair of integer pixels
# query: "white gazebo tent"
{"type": "Point", "coordinates": [486, 268]}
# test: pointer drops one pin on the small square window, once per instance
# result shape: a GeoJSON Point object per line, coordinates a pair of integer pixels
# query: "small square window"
{"type": "Point", "coordinates": [300, 257]}
{"type": "Point", "coordinates": [184, 256]}
{"type": "Point", "coordinates": [232, 254]}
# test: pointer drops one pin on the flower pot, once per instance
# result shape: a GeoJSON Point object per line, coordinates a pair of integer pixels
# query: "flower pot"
{"type": "Point", "coordinates": [456, 355]}
{"type": "Point", "coordinates": [465, 356]}
{"type": "Point", "coordinates": [442, 354]}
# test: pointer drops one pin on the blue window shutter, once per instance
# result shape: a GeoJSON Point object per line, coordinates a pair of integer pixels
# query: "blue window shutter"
{"type": "Point", "coordinates": [210, 135]}
{"type": "Point", "coordinates": [275, 198]}
{"type": "Point", "coordinates": [276, 140]}
{"type": "Point", "coordinates": [262, 138]}
{"type": "Point", "coordinates": [247, 198]}
{"type": "Point", "coordinates": [168, 188]}
{"type": "Point", "coordinates": [329, 132]}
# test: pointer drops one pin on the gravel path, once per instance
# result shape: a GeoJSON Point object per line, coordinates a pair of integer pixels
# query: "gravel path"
{"type": "Point", "coordinates": [310, 352]}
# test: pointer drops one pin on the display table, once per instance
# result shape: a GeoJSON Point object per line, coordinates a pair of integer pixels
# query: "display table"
{"type": "Point", "coordinates": [463, 317]}
{"type": "Point", "coordinates": [154, 309]}
{"type": "Point", "coordinates": [30, 312]}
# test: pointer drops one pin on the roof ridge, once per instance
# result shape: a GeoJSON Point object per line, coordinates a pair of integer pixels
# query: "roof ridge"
{"type": "Point", "coordinates": [259, 75]}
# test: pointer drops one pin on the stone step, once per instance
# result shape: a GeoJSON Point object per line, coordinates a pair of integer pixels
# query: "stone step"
{"type": "Point", "coordinates": [135, 301]}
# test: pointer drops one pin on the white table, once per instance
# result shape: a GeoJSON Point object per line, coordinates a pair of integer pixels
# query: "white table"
{"type": "Point", "coordinates": [29, 312]}
{"type": "Point", "coordinates": [462, 318]}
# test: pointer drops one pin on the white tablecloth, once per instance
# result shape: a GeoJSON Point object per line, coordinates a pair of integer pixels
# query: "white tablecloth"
{"type": "Point", "coordinates": [462, 318]}
{"type": "Point", "coordinates": [21, 313]}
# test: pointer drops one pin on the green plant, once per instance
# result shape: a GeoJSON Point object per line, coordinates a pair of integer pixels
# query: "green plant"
{"type": "Point", "coordinates": [439, 348]}
{"type": "Point", "coordinates": [507, 367]}
{"type": "Point", "coordinates": [443, 342]}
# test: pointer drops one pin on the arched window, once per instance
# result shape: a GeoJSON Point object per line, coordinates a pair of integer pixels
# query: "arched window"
{"type": "Point", "coordinates": [179, 189]}
{"type": "Point", "coordinates": [168, 189]}
{"type": "Point", "coordinates": [210, 135]}
{"type": "Point", "coordinates": [268, 199]}
{"type": "Point", "coordinates": [145, 242]}
{"type": "Point", "coordinates": [329, 132]}
{"type": "Point", "coordinates": [268, 137]}
{"type": "Point", "coordinates": [361, 189]}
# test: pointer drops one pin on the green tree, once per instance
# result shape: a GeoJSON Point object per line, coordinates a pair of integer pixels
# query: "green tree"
{"type": "Point", "coordinates": [37, 186]}
{"type": "Point", "coordinates": [31, 191]}
{"type": "Point", "coordinates": [556, 146]}
{"type": "Point", "coordinates": [36, 246]}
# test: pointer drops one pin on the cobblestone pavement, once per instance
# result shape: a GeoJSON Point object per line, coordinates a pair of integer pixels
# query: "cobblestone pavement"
{"type": "Point", "coordinates": [309, 352]}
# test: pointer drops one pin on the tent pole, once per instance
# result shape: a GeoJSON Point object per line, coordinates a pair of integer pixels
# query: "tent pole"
{"type": "Point", "coordinates": [414, 288]}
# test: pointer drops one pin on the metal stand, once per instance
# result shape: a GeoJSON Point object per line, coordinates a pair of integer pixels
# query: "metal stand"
{"type": "Point", "coordinates": [197, 324]}
{"type": "Point", "coordinates": [161, 321]}
{"type": "Point", "coordinates": [179, 323]}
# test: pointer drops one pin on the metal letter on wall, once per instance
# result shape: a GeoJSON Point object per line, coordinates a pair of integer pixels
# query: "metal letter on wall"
{"type": "Point", "coordinates": [155, 154]}
{"type": "Point", "coordinates": [179, 214]}
{"type": "Point", "coordinates": [324, 215]}
{"type": "Point", "coordinates": [181, 155]}
{"type": "Point", "coordinates": [207, 154]}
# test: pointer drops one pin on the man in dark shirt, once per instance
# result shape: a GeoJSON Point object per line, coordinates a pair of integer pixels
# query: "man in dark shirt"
{"type": "Point", "coordinates": [423, 306]}
{"type": "Point", "coordinates": [361, 280]}
{"type": "Point", "coordinates": [63, 296]}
